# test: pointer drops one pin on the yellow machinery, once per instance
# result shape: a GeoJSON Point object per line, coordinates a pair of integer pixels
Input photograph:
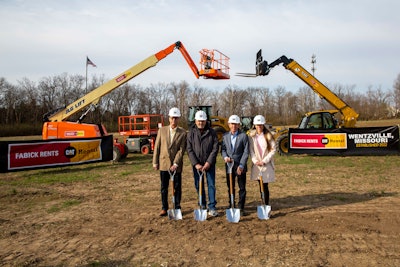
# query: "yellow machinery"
{"type": "Point", "coordinates": [55, 124]}
{"type": "Point", "coordinates": [218, 123]}
{"type": "Point", "coordinates": [323, 119]}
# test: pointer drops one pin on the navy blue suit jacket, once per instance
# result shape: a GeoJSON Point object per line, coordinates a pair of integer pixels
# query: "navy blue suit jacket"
{"type": "Point", "coordinates": [240, 152]}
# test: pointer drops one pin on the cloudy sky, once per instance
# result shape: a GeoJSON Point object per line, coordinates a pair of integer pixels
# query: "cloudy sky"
{"type": "Point", "coordinates": [356, 42]}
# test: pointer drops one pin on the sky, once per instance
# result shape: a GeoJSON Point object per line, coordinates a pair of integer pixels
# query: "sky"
{"type": "Point", "coordinates": [356, 42]}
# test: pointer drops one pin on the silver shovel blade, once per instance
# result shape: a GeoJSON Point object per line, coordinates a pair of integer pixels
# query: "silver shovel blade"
{"type": "Point", "coordinates": [263, 212]}
{"type": "Point", "coordinates": [175, 214]}
{"type": "Point", "coordinates": [233, 215]}
{"type": "Point", "coordinates": [200, 215]}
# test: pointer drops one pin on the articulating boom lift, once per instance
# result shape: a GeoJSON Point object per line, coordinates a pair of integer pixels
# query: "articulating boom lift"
{"type": "Point", "coordinates": [213, 65]}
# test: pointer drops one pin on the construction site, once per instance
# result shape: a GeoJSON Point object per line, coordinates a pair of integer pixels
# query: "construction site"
{"type": "Point", "coordinates": [93, 198]}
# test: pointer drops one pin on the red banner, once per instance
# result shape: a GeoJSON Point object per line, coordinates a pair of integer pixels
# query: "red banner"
{"type": "Point", "coordinates": [42, 154]}
{"type": "Point", "coordinates": [318, 140]}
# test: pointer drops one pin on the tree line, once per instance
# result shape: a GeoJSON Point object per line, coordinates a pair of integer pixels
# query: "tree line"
{"type": "Point", "coordinates": [23, 105]}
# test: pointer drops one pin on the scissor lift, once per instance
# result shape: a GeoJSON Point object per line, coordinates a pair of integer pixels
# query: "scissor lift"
{"type": "Point", "coordinates": [140, 131]}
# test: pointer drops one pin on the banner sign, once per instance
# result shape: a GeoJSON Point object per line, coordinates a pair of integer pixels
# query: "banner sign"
{"type": "Point", "coordinates": [345, 141]}
{"type": "Point", "coordinates": [318, 140]}
{"type": "Point", "coordinates": [35, 154]}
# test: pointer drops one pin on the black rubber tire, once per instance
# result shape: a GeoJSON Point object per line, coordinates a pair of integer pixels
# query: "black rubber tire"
{"type": "Point", "coordinates": [116, 154]}
{"type": "Point", "coordinates": [126, 151]}
{"type": "Point", "coordinates": [220, 132]}
{"type": "Point", "coordinates": [283, 145]}
{"type": "Point", "coordinates": [145, 149]}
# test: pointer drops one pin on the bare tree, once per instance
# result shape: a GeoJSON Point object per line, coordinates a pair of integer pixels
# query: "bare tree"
{"type": "Point", "coordinates": [266, 102]}
{"type": "Point", "coordinates": [26, 102]}
{"type": "Point", "coordinates": [30, 102]}
{"type": "Point", "coordinates": [251, 102]}
{"type": "Point", "coordinates": [161, 98]}
{"type": "Point", "coordinates": [132, 98]}
{"type": "Point", "coordinates": [215, 102]}
{"type": "Point", "coordinates": [50, 96]}
{"type": "Point", "coordinates": [142, 101]}
{"type": "Point", "coordinates": [292, 109]}
{"type": "Point", "coordinates": [280, 93]}
{"type": "Point", "coordinates": [377, 103]}
{"type": "Point", "coordinates": [181, 93]}
{"type": "Point", "coordinates": [396, 96]}
{"type": "Point", "coordinates": [3, 86]}
{"type": "Point", "coordinates": [199, 96]}
{"type": "Point", "coordinates": [305, 97]}
{"type": "Point", "coordinates": [228, 101]}
{"type": "Point", "coordinates": [10, 97]}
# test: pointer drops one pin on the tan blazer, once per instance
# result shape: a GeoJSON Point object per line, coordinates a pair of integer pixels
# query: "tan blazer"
{"type": "Point", "coordinates": [166, 153]}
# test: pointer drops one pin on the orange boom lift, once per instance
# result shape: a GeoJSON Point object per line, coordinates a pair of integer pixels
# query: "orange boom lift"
{"type": "Point", "coordinates": [213, 65]}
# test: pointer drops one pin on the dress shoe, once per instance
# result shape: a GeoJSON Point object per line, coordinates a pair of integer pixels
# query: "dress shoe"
{"type": "Point", "coordinates": [163, 213]}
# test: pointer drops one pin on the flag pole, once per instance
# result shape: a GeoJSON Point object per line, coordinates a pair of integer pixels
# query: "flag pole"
{"type": "Point", "coordinates": [88, 62]}
{"type": "Point", "coordinates": [86, 74]}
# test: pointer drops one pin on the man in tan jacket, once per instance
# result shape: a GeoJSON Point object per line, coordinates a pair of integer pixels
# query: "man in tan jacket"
{"type": "Point", "coordinates": [168, 154]}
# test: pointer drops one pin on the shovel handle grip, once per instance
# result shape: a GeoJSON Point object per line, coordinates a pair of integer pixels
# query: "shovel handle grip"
{"type": "Point", "coordinates": [260, 179]}
{"type": "Point", "coordinates": [230, 166]}
{"type": "Point", "coordinates": [201, 174]}
{"type": "Point", "coordinates": [172, 174]}
{"type": "Point", "coordinates": [261, 188]}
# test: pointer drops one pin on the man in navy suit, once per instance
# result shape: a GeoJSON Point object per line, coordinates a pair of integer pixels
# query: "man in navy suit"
{"type": "Point", "coordinates": [235, 148]}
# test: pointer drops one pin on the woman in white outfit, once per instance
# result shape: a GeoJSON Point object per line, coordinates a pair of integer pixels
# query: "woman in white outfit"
{"type": "Point", "coordinates": [262, 151]}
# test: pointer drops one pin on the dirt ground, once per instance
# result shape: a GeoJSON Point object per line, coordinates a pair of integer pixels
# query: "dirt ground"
{"type": "Point", "coordinates": [326, 211]}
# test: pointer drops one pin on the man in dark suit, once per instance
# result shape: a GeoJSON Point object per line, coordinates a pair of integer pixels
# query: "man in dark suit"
{"type": "Point", "coordinates": [235, 148]}
{"type": "Point", "coordinates": [169, 148]}
{"type": "Point", "coordinates": [202, 148]}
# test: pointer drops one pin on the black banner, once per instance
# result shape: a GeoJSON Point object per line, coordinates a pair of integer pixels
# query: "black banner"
{"type": "Point", "coordinates": [345, 141]}
{"type": "Point", "coordinates": [38, 154]}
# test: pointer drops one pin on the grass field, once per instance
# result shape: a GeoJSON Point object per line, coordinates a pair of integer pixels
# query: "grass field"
{"type": "Point", "coordinates": [326, 211]}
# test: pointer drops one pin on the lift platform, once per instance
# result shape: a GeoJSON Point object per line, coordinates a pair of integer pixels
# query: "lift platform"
{"type": "Point", "coordinates": [214, 64]}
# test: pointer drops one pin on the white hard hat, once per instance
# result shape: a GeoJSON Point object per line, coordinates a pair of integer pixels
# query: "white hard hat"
{"type": "Point", "coordinates": [259, 120]}
{"type": "Point", "coordinates": [200, 116]}
{"type": "Point", "coordinates": [174, 112]}
{"type": "Point", "coordinates": [234, 119]}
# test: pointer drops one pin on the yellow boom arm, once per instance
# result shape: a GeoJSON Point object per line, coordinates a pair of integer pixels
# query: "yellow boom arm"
{"type": "Point", "coordinates": [349, 114]}
{"type": "Point", "coordinates": [94, 96]}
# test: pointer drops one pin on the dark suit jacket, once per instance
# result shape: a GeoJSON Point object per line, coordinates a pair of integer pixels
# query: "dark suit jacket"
{"type": "Point", "coordinates": [240, 153]}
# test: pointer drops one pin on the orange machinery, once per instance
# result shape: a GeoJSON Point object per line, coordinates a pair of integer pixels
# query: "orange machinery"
{"type": "Point", "coordinates": [213, 65]}
{"type": "Point", "coordinates": [140, 131]}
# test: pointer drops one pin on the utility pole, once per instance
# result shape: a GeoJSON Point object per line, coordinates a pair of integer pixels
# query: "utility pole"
{"type": "Point", "coordinates": [313, 61]}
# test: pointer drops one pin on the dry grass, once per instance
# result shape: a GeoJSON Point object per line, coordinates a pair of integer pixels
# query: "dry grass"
{"type": "Point", "coordinates": [327, 211]}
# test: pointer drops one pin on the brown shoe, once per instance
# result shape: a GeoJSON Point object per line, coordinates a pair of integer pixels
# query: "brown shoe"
{"type": "Point", "coordinates": [163, 213]}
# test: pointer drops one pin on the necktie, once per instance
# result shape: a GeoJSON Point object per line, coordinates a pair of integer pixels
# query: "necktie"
{"type": "Point", "coordinates": [233, 141]}
{"type": "Point", "coordinates": [172, 134]}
